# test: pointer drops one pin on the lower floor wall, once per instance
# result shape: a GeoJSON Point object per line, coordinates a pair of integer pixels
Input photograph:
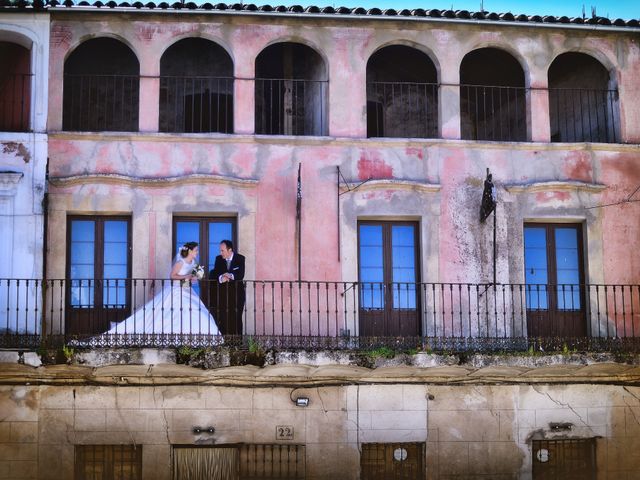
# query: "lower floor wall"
{"type": "Point", "coordinates": [344, 432]}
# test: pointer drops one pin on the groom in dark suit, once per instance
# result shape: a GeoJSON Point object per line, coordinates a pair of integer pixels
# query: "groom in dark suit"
{"type": "Point", "coordinates": [227, 295]}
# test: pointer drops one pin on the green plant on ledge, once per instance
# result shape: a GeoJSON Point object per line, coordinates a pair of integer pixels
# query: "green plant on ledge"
{"type": "Point", "coordinates": [254, 346]}
{"type": "Point", "coordinates": [186, 353]}
{"type": "Point", "coordinates": [381, 352]}
{"type": "Point", "coordinates": [68, 353]}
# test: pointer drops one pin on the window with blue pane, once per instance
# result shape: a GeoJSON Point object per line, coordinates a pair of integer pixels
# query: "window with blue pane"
{"type": "Point", "coordinates": [403, 251]}
{"type": "Point", "coordinates": [98, 262]}
{"type": "Point", "coordinates": [371, 267]}
{"type": "Point", "coordinates": [553, 266]}
{"type": "Point", "coordinates": [116, 263]}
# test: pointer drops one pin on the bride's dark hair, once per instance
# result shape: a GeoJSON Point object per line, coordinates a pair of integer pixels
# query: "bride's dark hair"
{"type": "Point", "coordinates": [186, 248]}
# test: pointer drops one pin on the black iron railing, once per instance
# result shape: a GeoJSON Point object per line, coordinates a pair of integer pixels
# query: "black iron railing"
{"type": "Point", "coordinates": [310, 315]}
{"type": "Point", "coordinates": [196, 104]}
{"type": "Point", "coordinates": [101, 103]}
{"type": "Point", "coordinates": [402, 109]}
{"type": "Point", "coordinates": [583, 115]}
{"type": "Point", "coordinates": [291, 107]}
{"type": "Point", "coordinates": [493, 113]}
{"type": "Point", "coordinates": [15, 102]}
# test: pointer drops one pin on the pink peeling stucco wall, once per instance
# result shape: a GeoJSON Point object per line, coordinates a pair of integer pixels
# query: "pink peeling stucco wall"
{"type": "Point", "coordinates": [435, 182]}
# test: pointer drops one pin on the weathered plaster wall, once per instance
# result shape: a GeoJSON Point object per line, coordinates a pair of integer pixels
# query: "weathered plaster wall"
{"type": "Point", "coordinates": [23, 160]}
{"type": "Point", "coordinates": [437, 183]}
{"type": "Point", "coordinates": [470, 431]}
{"type": "Point", "coordinates": [346, 46]}
{"type": "Point", "coordinates": [23, 163]}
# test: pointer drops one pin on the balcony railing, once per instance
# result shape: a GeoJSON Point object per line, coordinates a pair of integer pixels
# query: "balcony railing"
{"type": "Point", "coordinates": [583, 115]}
{"type": "Point", "coordinates": [15, 102]}
{"type": "Point", "coordinates": [101, 103]}
{"type": "Point", "coordinates": [312, 315]}
{"type": "Point", "coordinates": [402, 109]}
{"type": "Point", "coordinates": [493, 113]}
{"type": "Point", "coordinates": [286, 106]}
{"type": "Point", "coordinates": [196, 104]}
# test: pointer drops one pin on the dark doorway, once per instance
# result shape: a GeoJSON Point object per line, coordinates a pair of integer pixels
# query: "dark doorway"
{"type": "Point", "coordinates": [291, 91]}
{"type": "Point", "coordinates": [583, 101]}
{"type": "Point", "coordinates": [554, 276]}
{"type": "Point", "coordinates": [101, 87]}
{"type": "Point", "coordinates": [15, 87]}
{"type": "Point", "coordinates": [388, 274]}
{"type": "Point", "coordinates": [392, 461]}
{"type": "Point", "coordinates": [566, 459]}
{"type": "Point", "coordinates": [196, 88]}
{"type": "Point", "coordinates": [492, 97]}
{"type": "Point", "coordinates": [402, 94]}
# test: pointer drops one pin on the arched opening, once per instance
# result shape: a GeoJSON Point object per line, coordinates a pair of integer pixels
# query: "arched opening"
{"type": "Point", "coordinates": [15, 87]}
{"type": "Point", "coordinates": [492, 97]}
{"type": "Point", "coordinates": [291, 91]}
{"type": "Point", "coordinates": [101, 87]}
{"type": "Point", "coordinates": [196, 87]}
{"type": "Point", "coordinates": [583, 101]}
{"type": "Point", "coordinates": [402, 94]}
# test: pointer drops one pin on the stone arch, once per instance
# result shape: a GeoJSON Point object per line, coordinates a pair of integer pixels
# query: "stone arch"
{"type": "Point", "coordinates": [196, 87]}
{"type": "Point", "coordinates": [402, 93]}
{"type": "Point", "coordinates": [493, 100]}
{"type": "Point", "coordinates": [583, 99]}
{"type": "Point", "coordinates": [291, 90]}
{"type": "Point", "coordinates": [101, 86]}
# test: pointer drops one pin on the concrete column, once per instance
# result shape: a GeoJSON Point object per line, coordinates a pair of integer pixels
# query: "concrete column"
{"type": "Point", "coordinates": [244, 106]}
{"type": "Point", "coordinates": [347, 105]}
{"type": "Point", "coordinates": [55, 86]}
{"type": "Point", "coordinates": [628, 119]}
{"type": "Point", "coordinates": [449, 101]}
{"type": "Point", "coordinates": [244, 101]}
{"type": "Point", "coordinates": [149, 108]}
{"type": "Point", "coordinates": [538, 124]}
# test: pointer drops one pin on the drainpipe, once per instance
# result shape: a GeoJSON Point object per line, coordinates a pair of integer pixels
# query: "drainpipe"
{"type": "Point", "coordinates": [45, 226]}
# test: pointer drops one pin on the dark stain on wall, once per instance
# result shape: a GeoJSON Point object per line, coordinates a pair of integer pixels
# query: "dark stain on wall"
{"type": "Point", "coordinates": [18, 148]}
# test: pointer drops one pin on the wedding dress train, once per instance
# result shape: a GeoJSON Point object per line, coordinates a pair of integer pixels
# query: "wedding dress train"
{"type": "Point", "coordinates": [174, 314]}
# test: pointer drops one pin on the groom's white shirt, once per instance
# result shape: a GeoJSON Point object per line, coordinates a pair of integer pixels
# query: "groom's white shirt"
{"type": "Point", "coordinates": [232, 276]}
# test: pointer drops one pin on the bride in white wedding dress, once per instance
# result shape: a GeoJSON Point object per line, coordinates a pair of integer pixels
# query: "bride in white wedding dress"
{"type": "Point", "coordinates": [176, 310]}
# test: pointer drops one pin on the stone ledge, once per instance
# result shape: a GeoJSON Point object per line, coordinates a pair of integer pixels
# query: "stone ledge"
{"type": "Point", "coordinates": [305, 375]}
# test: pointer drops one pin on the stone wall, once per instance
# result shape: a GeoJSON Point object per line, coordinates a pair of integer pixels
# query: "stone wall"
{"type": "Point", "coordinates": [470, 431]}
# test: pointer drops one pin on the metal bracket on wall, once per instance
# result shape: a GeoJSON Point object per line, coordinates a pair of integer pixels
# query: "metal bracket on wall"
{"type": "Point", "coordinates": [349, 189]}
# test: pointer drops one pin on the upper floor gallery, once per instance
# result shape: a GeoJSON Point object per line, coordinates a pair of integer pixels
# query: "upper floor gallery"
{"type": "Point", "coordinates": [249, 72]}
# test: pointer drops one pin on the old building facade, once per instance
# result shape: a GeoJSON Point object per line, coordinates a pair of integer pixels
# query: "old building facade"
{"type": "Point", "coordinates": [344, 152]}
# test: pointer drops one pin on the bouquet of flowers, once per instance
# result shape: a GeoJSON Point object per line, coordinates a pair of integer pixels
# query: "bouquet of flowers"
{"type": "Point", "coordinates": [198, 271]}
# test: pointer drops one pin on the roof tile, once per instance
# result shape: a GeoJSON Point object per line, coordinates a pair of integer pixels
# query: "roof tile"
{"type": "Point", "coordinates": [17, 5]}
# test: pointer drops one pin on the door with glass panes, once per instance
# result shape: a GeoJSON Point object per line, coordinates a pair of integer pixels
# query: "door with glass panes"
{"type": "Point", "coordinates": [554, 277]}
{"type": "Point", "coordinates": [208, 232]}
{"type": "Point", "coordinates": [98, 273]}
{"type": "Point", "coordinates": [388, 273]}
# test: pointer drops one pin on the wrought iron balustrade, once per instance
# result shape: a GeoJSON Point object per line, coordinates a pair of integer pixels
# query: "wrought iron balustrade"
{"type": "Point", "coordinates": [402, 109]}
{"type": "Point", "coordinates": [100, 103]}
{"type": "Point", "coordinates": [15, 101]}
{"type": "Point", "coordinates": [317, 314]}
{"type": "Point", "coordinates": [286, 106]}
{"type": "Point", "coordinates": [196, 104]}
{"type": "Point", "coordinates": [493, 113]}
{"type": "Point", "coordinates": [583, 115]}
